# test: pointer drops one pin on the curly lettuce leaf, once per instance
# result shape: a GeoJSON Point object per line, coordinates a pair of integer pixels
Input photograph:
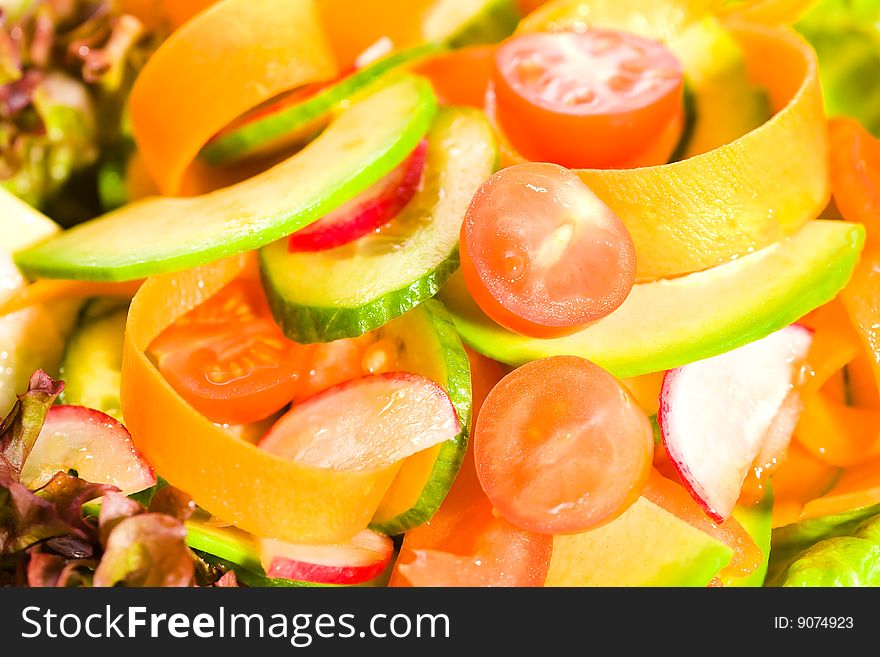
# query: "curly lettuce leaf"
{"type": "Point", "coordinates": [42, 160]}
{"type": "Point", "coordinates": [146, 550]}
{"type": "Point", "coordinates": [838, 550]}
{"type": "Point", "coordinates": [846, 36]}
{"type": "Point", "coordinates": [29, 517]}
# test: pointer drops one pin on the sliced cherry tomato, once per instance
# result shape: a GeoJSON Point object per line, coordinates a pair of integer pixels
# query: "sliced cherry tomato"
{"type": "Point", "coordinates": [855, 173]}
{"type": "Point", "coordinates": [587, 100]}
{"type": "Point", "coordinates": [560, 446]}
{"type": "Point", "coordinates": [229, 359]}
{"type": "Point", "coordinates": [466, 544]}
{"type": "Point", "coordinates": [541, 254]}
{"type": "Point", "coordinates": [485, 375]}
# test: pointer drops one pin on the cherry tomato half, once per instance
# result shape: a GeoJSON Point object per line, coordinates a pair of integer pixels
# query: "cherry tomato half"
{"type": "Point", "coordinates": [466, 544]}
{"type": "Point", "coordinates": [541, 254]}
{"type": "Point", "coordinates": [561, 447]}
{"type": "Point", "coordinates": [585, 100]}
{"type": "Point", "coordinates": [229, 359]}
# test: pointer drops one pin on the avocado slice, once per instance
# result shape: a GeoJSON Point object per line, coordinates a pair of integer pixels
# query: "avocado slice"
{"type": "Point", "coordinates": [645, 546]}
{"type": "Point", "coordinates": [32, 338]}
{"type": "Point", "coordinates": [667, 323]}
{"type": "Point", "coordinates": [22, 226]}
{"type": "Point", "coordinates": [158, 235]}
{"type": "Point", "coordinates": [757, 520]}
{"type": "Point", "coordinates": [346, 291]}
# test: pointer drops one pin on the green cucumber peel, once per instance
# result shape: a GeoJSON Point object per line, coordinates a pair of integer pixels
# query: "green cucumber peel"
{"type": "Point", "coordinates": [357, 287]}
{"type": "Point", "coordinates": [298, 121]}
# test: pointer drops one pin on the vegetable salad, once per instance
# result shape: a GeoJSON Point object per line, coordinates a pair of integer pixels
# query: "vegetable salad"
{"type": "Point", "coordinates": [439, 293]}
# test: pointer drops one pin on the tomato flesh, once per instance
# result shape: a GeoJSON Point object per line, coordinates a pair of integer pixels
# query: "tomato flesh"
{"type": "Point", "coordinates": [541, 254]}
{"type": "Point", "coordinates": [561, 447]}
{"type": "Point", "coordinates": [466, 544]}
{"type": "Point", "coordinates": [585, 99]}
{"type": "Point", "coordinates": [229, 359]}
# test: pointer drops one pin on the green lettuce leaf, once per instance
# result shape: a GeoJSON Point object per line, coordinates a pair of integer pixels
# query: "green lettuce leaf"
{"type": "Point", "coordinates": [839, 550]}
{"type": "Point", "coordinates": [846, 36]}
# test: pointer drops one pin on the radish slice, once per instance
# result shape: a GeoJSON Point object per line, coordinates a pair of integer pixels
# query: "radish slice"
{"type": "Point", "coordinates": [717, 414]}
{"type": "Point", "coordinates": [372, 208]}
{"type": "Point", "coordinates": [90, 442]}
{"type": "Point", "coordinates": [779, 434]}
{"type": "Point", "coordinates": [360, 560]}
{"type": "Point", "coordinates": [366, 423]}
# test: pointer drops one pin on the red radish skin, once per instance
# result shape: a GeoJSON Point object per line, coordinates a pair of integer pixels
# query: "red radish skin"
{"type": "Point", "coordinates": [373, 208]}
{"type": "Point", "coordinates": [98, 447]}
{"type": "Point", "coordinates": [369, 422]}
{"type": "Point", "coordinates": [364, 558]}
{"type": "Point", "coordinates": [717, 414]}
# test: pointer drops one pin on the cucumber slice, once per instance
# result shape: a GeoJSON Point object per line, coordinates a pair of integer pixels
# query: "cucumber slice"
{"type": "Point", "coordinates": [462, 23]}
{"type": "Point", "coordinates": [428, 344]}
{"type": "Point", "coordinates": [430, 347]}
{"type": "Point", "coordinates": [291, 125]}
{"type": "Point", "coordinates": [159, 235]}
{"type": "Point", "coordinates": [354, 288]}
{"type": "Point", "coordinates": [92, 364]}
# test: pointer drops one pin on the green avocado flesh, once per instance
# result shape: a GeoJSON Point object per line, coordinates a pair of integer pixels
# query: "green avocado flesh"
{"type": "Point", "coordinates": [349, 290]}
{"type": "Point", "coordinates": [667, 323]}
{"type": "Point", "coordinates": [645, 546]}
{"type": "Point", "coordinates": [280, 129]}
{"type": "Point", "coordinates": [158, 235]}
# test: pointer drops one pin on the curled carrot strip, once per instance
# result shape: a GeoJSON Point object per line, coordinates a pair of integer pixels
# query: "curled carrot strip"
{"type": "Point", "coordinates": [857, 487]}
{"type": "Point", "coordinates": [833, 431]}
{"type": "Point", "coordinates": [226, 60]}
{"type": "Point", "coordinates": [48, 290]}
{"type": "Point", "coordinates": [656, 19]}
{"type": "Point", "coordinates": [799, 479]}
{"type": "Point", "coordinates": [253, 489]}
{"type": "Point", "coordinates": [769, 182]}
{"type": "Point", "coordinates": [768, 12]}
{"type": "Point", "coordinates": [354, 25]}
